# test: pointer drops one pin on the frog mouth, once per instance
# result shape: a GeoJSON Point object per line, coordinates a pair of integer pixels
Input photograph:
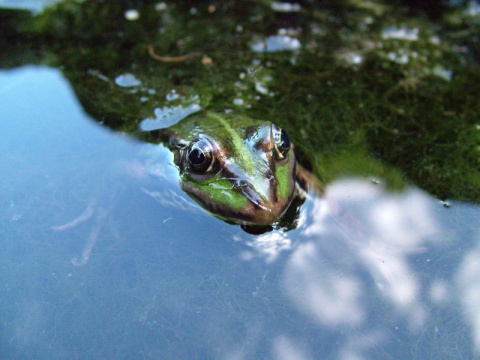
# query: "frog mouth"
{"type": "Point", "coordinates": [258, 210]}
{"type": "Point", "coordinates": [254, 198]}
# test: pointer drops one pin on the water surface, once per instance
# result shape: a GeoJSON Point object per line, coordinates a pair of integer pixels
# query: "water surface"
{"type": "Point", "coordinates": [368, 273]}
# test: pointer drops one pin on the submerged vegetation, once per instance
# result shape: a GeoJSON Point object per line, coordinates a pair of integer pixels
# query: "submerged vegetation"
{"type": "Point", "coordinates": [383, 90]}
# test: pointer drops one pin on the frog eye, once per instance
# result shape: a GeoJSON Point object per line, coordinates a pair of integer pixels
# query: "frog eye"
{"type": "Point", "coordinates": [282, 142]}
{"type": "Point", "coordinates": [201, 156]}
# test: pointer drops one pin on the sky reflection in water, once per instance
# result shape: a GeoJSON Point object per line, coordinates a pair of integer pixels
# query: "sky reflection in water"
{"type": "Point", "coordinates": [367, 274]}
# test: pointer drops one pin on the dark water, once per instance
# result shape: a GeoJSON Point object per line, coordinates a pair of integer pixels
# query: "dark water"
{"type": "Point", "coordinates": [368, 274]}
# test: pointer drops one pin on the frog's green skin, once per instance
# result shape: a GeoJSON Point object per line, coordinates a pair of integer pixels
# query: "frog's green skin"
{"type": "Point", "coordinates": [249, 177]}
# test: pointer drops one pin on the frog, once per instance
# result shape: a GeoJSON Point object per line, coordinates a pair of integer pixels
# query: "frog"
{"type": "Point", "coordinates": [239, 169]}
{"type": "Point", "coordinates": [242, 170]}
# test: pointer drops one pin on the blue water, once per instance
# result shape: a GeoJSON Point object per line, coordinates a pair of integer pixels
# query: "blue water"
{"type": "Point", "coordinates": [368, 274]}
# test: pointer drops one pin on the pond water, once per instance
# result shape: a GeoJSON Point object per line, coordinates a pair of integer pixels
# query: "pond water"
{"type": "Point", "coordinates": [367, 274]}
{"type": "Point", "coordinates": [105, 257]}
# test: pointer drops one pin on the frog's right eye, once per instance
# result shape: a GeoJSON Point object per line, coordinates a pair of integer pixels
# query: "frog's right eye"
{"type": "Point", "coordinates": [201, 156]}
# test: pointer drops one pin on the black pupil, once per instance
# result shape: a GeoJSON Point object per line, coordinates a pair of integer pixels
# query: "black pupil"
{"type": "Point", "coordinates": [196, 157]}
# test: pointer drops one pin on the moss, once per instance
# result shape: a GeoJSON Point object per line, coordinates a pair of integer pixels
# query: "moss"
{"type": "Point", "coordinates": [393, 114]}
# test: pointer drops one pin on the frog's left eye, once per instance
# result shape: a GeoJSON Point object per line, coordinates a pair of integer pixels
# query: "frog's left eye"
{"type": "Point", "coordinates": [201, 156]}
{"type": "Point", "coordinates": [282, 142]}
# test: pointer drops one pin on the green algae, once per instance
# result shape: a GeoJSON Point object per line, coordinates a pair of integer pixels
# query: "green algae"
{"type": "Point", "coordinates": [377, 90]}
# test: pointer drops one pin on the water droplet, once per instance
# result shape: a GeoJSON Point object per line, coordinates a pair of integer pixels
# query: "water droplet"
{"type": "Point", "coordinates": [168, 116]}
{"type": "Point", "coordinates": [127, 80]}
{"type": "Point", "coordinates": [172, 95]}
{"type": "Point", "coordinates": [403, 33]}
{"type": "Point", "coordinates": [132, 15]}
{"type": "Point", "coordinates": [285, 6]}
{"type": "Point", "coordinates": [276, 43]}
{"type": "Point", "coordinates": [261, 89]}
{"type": "Point", "coordinates": [161, 6]}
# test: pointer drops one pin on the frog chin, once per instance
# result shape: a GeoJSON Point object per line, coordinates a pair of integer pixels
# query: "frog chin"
{"type": "Point", "coordinates": [253, 214]}
{"type": "Point", "coordinates": [254, 211]}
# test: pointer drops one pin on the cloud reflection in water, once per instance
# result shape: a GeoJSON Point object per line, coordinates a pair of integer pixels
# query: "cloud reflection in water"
{"type": "Point", "coordinates": [370, 263]}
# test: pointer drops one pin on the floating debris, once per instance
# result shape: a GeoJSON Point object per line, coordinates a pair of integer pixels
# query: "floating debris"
{"type": "Point", "coordinates": [171, 59]}
{"type": "Point", "coordinates": [446, 204]}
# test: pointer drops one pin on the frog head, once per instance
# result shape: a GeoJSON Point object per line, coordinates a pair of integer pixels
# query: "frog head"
{"type": "Point", "coordinates": [240, 170]}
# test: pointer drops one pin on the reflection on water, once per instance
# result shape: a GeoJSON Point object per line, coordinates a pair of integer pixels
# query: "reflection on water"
{"type": "Point", "coordinates": [35, 6]}
{"type": "Point", "coordinates": [377, 260]}
{"type": "Point", "coordinates": [379, 236]}
{"type": "Point", "coordinates": [368, 274]}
